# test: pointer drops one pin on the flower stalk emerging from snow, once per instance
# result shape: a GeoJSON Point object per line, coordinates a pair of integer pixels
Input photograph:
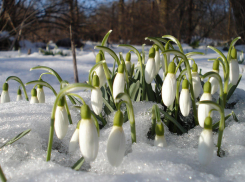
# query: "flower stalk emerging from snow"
{"type": "Point", "coordinates": [169, 86]}
{"type": "Point", "coordinates": [19, 95]}
{"type": "Point", "coordinates": [206, 145]}
{"type": "Point", "coordinates": [116, 144]}
{"type": "Point", "coordinates": [5, 94]}
{"type": "Point", "coordinates": [234, 67]}
{"type": "Point", "coordinates": [150, 68]}
{"type": "Point", "coordinates": [88, 136]}
{"type": "Point", "coordinates": [96, 96]}
{"type": "Point", "coordinates": [185, 100]}
{"type": "Point", "coordinates": [34, 98]}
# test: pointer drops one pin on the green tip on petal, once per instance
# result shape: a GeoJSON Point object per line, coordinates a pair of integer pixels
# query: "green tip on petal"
{"type": "Point", "coordinates": [40, 86]}
{"type": "Point", "coordinates": [216, 65]}
{"type": "Point", "coordinates": [61, 102]}
{"type": "Point", "coordinates": [233, 53]}
{"type": "Point", "coordinates": [85, 112]}
{"type": "Point", "coordinates": [185, 84]}
{"type": "Point", "coordinates": [118, 119]}
{"type": "Point", "coordinates": [171, 67]}
{"type": "Point", "coordinates": [96, 81]}
{"type": "Point", "coordinates": [5, 86]}
{"type": "Point", "coordinates": [128, 56]}
{"type": "Point", "coordinates": [99, 57]}
{"type": "Point", "coordinates": [156, 47]}
{"type": "Point", "coordinates": [207, 87]}
{"type": "Point", "coordinates": [19, 91]}
{"type": "Point", "coordinates": [208, 123]}
{"type": "Point", "coordinates": [34, 92]}
{"type": "Point", "coordinates": [194, 67]}
{"type": "Point", "coordinates": [121, 68]}
{"type": "Point", "coordinates": [159, 129]}
{"type": "Point", "coordinates": [152, 52]}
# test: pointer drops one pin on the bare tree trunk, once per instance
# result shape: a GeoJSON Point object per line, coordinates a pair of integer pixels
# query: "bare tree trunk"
{"type": "Point", "coordinates": [190, 22]}
{"type": "Point", "coordinates": [229, 22]}
{"type": "Point", "coordinates": [120, 18]}
{"type": "Point", "coordinates": [72, 42]}
{"type": "Point", "coordinates": [163, 12]}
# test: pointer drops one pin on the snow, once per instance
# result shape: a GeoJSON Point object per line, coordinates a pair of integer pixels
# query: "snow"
{"type": "Point", "coordinates": [25, 160]}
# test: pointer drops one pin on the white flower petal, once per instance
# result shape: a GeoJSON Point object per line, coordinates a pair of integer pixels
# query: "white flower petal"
{"type": "Point", "coordinates": [160, 141]}
{"type": "Point", "coordinates": [5, 97]}
{"type": "Point", "coordinates": [150, 70]}
{"type": "Point", "coordinates": [196, 82]}
{"type": "Point", "coordinates": [118, 84]}
{"type": "Point", "coordinates": [19, 97]}
{"type": "Point", "coordinates": [88, 140]}
{"type": "Point", "coordinates": [157, 62]}
{"type": "Point", "coordinates": [74, 141]}
{"type": "Point", "coordinates": [234, 71]}
{"type": "Point", "coordinates": [61, 122]}
{"type": "Point", "coordinates": [116, 146]}
{"type": "Point", "coordinates": [214, 85]}
{"type": "Point", "coordinates": [203, 109]}
{"type": "Point", "coordinates": [185, 102]}
{"type": "Point", "coordinates": [128, 66]}
{"type": "Point", "coordinates": [40, 95]}
{"type": "Point", "coordinates": [34, 100]}
{"type": "Point", "coordinates": [169, 89]}
{"type": "Point", "coordinates": [205, 147]}
{"type": "Point", "coordinates": [101, 74]}
{"type": "Point", "coordinates": [96, 100]}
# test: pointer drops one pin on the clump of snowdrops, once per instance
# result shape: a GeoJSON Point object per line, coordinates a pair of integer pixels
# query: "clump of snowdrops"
{"type": "Point", "coordinates": [175, 108]}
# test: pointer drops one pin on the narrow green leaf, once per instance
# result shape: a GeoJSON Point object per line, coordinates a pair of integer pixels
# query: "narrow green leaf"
{"type": "Point", "coordinates": [78, 164]}
{"type": "Point", "coordinates": [234, 116]}
{"type": "Point", "coordinates": [230, 48]}
{"type": "Point", "coordinates": [133, 89]}
{"type": "Point", "coordinates": [175, 41]}
{"type": "Point", "coordinates": [157, 42]}
{"type": "Point", "coordinates": [216, 125]}
{"type": "Point", "coordinates": [49, 70]}
{"type": "Point", "coordinates": [131, 48]}
{"type": "Point", "coordinates": [104, 41]}
{"type": "Point", "coordinates": [232, 88]}
{"type": "Point", "coordinates": [111, 52]}
{"type": "Point", "coordinates": [19, 136]}
{"type": "Point", "coordinates": [108, 105]}
{"type": "Point", "coordinates": [43, 83]}
{"type": "Point", "coordinates": [150, 93]}
{"type": "Point", "coordinates": [189, 54]}
{"type": "Point", "coordinates": [2, 176]}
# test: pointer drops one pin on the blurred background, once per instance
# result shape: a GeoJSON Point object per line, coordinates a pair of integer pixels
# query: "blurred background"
{"type": "Point", "coordinates": [191, 21]}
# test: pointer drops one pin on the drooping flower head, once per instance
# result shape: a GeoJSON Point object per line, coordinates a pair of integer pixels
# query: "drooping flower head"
{"type": "Point", "coordinates": [157, 59]}
{"type": "Point", "coordinates": [185, 100]}
{"type": "Point", "coordinates": [169, 86]}
{"type": "Point", "coordinates": [128, 63]}
{"type": "Point", "coordinates": [206, 145]}
{"type": "Point", "coordinates": [214, 82]}
{"type": "Point", "coordinates": [34, 98]}
{"type": "Point", "coordinates": [234, 67]}
{"type": "Point", "coordinates": [88, 136]}
{"type": "Point", "coordinates": [40, 94]}
{"type": "Point", "coordinates": [160, 140]}
{"type": "Point", "coordinates": [19, 96]}
{"type": "Point", "coordinates": [118, 84]}
{"type": "Point", "coordinates": [150, 68]}
{"type": "Point", "coordinates": [5, 94]}
{"type": "Point", "coordinates": [96, 96]}
{"type": "Point", "coordinates": [203, 109]}
{"type": "Point", "coordinates": [116, 144]}
{"type": "Point", "coordinates": [196, 81]}
{"type": "Point", "coordinates": [61, 119]}
{"type": "Point", "coordinates": [100, 70]}
{"type": "Point", "coordinates": [74, 139]}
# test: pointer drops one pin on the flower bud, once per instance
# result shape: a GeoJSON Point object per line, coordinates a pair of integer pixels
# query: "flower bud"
{"type": "Point", "coordinates": [150, 68]}
{"type": "Point", "coordinates": [5, 94]}
{"type": "Point", "coordinates": [185, 100]}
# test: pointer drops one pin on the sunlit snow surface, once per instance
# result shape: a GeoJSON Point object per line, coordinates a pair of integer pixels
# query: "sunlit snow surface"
{"type": "Point", "coordinates": [25, 160]}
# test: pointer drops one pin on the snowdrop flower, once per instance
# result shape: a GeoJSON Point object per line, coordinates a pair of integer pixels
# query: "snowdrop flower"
{"type": "Point", "coordinates": [100, 70]}
{"type": "Point", "coordinates": [206, 145]}
{"type": "Point", "coordinates": [234, 67]}
{"type": "Point", "coordinates": [241, 56]}
{"type": "Point", "coordinates": [118, 84]}
{"type": "Point", "coordinates": [169, 86]}
{"type": "Point", "coordinates": [150, 68]}
{"type": "Point", "coordinates": [19, 96]}
{"type": "Point", "coordinates": [157, 59]}
{"type": "Point", "coordinates": [185, 100]}
{"type": "Point", "coordinates": [116, 144]}
{"type": "Point", "coordinates": [204, 109]}
{"type": "Point", "coordinates": [40, 94]}
{"type": "Point", "coordinates": [96, 96]}
{"type": "Point", "coordinates": [74, 139]}
{"type": "Point", "coordinates": [196, 81]}
{"type": "Point", "coordinates": [5, 94]}
{"type": "Point", "coordinates": [160, 140]}
{"type": "Point", "coordinates": [34, 98]}
{"type": "Point", "coordinates": [88, 136]}
{"type": "Point", "coordinates": [214, 82]}
{"type": "Point", "coordinates": [61, 119]}
{"type": "Point", "coordinates": [128, 63]}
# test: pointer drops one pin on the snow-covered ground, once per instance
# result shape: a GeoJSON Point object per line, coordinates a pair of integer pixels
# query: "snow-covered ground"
{"type": "Point", "coordinates": [25, 160]}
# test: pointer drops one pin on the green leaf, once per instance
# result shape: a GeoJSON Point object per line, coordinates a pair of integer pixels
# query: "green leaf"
{"type": "Point", "coordinates": [104, 41]}
{"type": "Point", "coordinates": [19, 136]}
{"type": "Point", "coordinates": [108, 105]}
{"type": "Point", "coordinates": [150, 93]}
{"type": "Point", "coordinates": [157, 42]}
{"type": "Point", "coordinates": [92, 70]}
{"type": "Point", "coordinates": [2, 176]}
{"type": "Point", "coordinates": [234, 116]}
{"type": "Point", "coordinates": [230, 48]}
{"type": "Point", "coordinates": [43, 83]}
{"type": "Point", "coordinates": [78, 164]}
{"type": "Point", "coordinates": [216, 125]}
{"type": "Point", "coordinates": [189, 54]}
{"type": "Point", "coordinates": [175, 41]}
{"type": "Point", "coordinates": [232, 88]}
{"type": "Point", "coordinates": [111, 52]}
{"type": "Point", "coordinates": [50, 70]}
{"type": "Point", "coordinates": [133, 89]}
{"type": "Point", "coordinates": [131, 48]}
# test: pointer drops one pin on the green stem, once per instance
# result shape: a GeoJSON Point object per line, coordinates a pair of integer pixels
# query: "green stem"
{"type": "Point", "coordinates": [3, 178]}
{"type": "Point", "coordinates": [43, 83]}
